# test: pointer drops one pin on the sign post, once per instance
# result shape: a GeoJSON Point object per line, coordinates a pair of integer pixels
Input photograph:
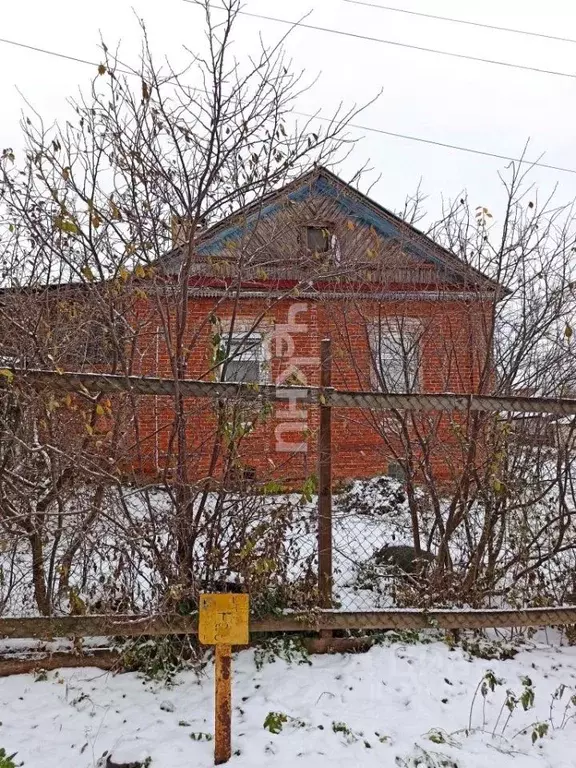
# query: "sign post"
{"type": "Point", "coordinates": [223, 622]}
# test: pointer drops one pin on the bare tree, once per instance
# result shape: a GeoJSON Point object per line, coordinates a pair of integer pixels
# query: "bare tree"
{"type": "Point", "coordinates": [93, 279]}
{"type": "Point", "coordinates": [491, 497]}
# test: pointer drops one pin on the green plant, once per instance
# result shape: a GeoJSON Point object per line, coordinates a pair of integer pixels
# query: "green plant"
{"type": "Point", "coordinates": [420, 758]}
{"type": "Point", "coordinates": [201, 736]}
{"type": "Point", "coordinates": [569, 712]}
{"type": "Point", "coordinates": [349, 735]}
{"type": "Point", "coordinates": [369, 576]}
{"type": "Point", "coordinates": [7, 761]}
{"type": "Point", "coordinates": [275, 721]}
{"type": "Point", "coordinates": [539, 730]}
{"type": "Point", "coordinates": [107, 760]}
{"type": "Point", "coordinates": [487, 683]}
{"type": "Point", "coordinates": [162, 658]}
{"type": "Point", "coordinates": [310, 488]}
{"type": "Point", "coordinates": [512, 701]}
{"type": "Point", "coordinates": [406, 637]}
{"type": "Point", "coordinates": [272, 488]}
{"type": "Point", "coordinates": [40, 676]}
{"type": "Point", "coordinates": [290, 650]}
{"type": "Point", "coordinates": [438, 736]}
{"type": "Point", "coordinates": [526, 700]}
{"type": "Point", "coordinates": [482, 648]}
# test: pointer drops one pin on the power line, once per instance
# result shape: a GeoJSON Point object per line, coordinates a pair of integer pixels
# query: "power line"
{"type": "Point", "coordinates": [462, 21]}
{"type": "Point", "coordinates": [366, 128]}
{"type": "Point", "coordinates": [398, 44]}
{"type": "Point", "coordinates": [457, 147]}
{"type": "Point", "coordinates": [17, 44]}
{"type": "Point", "coordinates": [47, 52]}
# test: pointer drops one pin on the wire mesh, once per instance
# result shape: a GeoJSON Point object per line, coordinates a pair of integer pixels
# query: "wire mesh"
{"type": "Point", "coordinates": [116, 525]}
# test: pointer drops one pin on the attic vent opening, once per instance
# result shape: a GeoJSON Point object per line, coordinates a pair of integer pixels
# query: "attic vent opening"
{"type": "Point", "coordinates": [318, 239]}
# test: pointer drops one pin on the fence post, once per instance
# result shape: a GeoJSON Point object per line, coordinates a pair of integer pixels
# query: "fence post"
{"type": "Point", "coordinates": [223, 704]}
{"type": "Point", "coordinates": [325, 482]}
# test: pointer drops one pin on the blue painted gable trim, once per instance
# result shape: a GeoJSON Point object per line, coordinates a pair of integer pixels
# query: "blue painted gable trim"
{"type": "Point", "coordinates": [355, 208]}
{"type": "Point", "coordinates": [366, 215]}
{"type": "Point", "coordinates": [321, 186]}
{"type": "Point", "coordinates": [234, 233]}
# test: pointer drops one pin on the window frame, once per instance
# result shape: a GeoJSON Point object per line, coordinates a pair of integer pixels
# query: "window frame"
{"type": "Point", "coordinates": [233, 341]}
{"type": "Point", "coordinates": [326, 234]}
{"type": "Point", "coordinates": [397, 329]}
{"type": "Point", "coordinates": [331, 240]}
{"type": "Point", "coordinates": [241, 330]}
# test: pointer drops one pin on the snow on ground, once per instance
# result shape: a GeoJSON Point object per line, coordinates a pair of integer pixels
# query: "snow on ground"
{"type": "Point", "coordinates": [117, 566]}
{"type": "Point", "coordinates": [334, 710]}
{"type": "Point", "coordinates": [373, 513]}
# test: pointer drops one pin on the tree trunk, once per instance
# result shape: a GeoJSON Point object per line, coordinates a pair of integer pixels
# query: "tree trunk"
{"type": "Point", "coordinates": [38, 577]}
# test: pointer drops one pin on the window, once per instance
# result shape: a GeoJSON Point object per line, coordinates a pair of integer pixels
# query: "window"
{"type": "Point", "coordinates": [244, 357]}
{"type": "Point", "coordinates": [396, 471]}
{"type": "Point", "coordinates": [395, 352]}
{"type": "Point", "coordinates": [318, 239]}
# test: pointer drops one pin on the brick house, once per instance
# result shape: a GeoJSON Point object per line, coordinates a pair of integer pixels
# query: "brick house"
{"type": "Point", "coordinates": [314, 260]}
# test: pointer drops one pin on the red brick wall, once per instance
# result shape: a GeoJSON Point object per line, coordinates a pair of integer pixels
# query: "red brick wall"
{"type": "Point", "coordinates": [451, 353]}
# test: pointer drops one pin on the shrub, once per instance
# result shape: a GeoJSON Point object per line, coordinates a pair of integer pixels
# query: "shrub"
{"type": "Point", "coordinates": [290, 650]}
{"type": "Point", "coordinates": [162, 658]}
{"type": "Point", "coordinates": [7, 761]}
{"type": "Point", "coordinates": [275, 721]}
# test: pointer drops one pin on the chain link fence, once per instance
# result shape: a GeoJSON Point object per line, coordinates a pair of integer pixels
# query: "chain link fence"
{"type": "Point", "coordinates": [95, 522]}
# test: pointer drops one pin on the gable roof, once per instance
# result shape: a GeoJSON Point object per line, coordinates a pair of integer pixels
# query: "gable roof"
{"type": "Point", "coordinates": [356, 205]}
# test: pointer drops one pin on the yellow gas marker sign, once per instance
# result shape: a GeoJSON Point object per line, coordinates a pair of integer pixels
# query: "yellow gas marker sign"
{"type": "Point", "coordinates": [223, 622]}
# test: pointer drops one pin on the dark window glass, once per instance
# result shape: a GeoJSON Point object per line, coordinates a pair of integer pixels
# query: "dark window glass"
{"type": "Point", "coordinates": [244, 359]}
{"type": "Point", "coordinates": [318, 239]}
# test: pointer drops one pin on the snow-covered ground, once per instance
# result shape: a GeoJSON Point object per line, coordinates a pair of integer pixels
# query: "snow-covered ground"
{"type": "Point", "coordinates": [125, 557]}
{"type": "Point", "coordinates": [389, 707]}
{"type": "Point", "coordinates": [373, 513]}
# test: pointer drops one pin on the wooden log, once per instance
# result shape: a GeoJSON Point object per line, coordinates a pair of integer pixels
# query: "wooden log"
{"type": "Point", "coordinates": [134, 626]}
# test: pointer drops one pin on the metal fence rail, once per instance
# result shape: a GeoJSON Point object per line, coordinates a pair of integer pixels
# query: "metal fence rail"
{"type": "Point", "coordinates": [320, 396]}
{"type": "Point", "coordinates": [325, 397]}
{"type": "Point", "coordinates": [407, 619]}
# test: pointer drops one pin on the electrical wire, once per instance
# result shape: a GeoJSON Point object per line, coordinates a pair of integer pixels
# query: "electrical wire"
{"type": "Point", "coordinates": [396, 43]}
{"type": "Point", "coordinates": [368, 129]}
{"type": "Point", "coordinates": [46, 51]}
{"type": "Point", "coordinates": [462, 21]}
{"type": "Point", "coordinates": [446, 145]}
{"type": "Point", "coordinates": [28, 47]}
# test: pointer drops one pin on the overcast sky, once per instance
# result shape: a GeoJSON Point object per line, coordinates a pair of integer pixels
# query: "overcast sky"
{"type": "Point", "coordinates": [468, 103]}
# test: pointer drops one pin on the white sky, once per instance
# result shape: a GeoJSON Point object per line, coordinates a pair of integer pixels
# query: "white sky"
{"type": "Point", "coordinates": [455, 101]}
